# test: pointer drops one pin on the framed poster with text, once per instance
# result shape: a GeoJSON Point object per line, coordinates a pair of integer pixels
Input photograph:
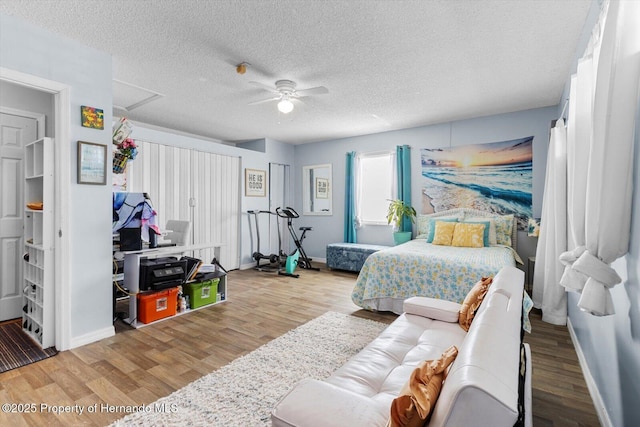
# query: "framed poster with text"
{"type": "Point", "coordinates": [255, 183]}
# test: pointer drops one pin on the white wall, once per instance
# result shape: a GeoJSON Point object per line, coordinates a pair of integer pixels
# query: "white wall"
{"type": "Point", "coordinates": [31, 50]}
{"type": "Point", "coordinates": [329, 229]}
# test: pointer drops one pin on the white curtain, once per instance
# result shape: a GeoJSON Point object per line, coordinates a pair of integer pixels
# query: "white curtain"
{"type": "Point", "coordinates": [607, 211]}
{"type": "Point", "coordinates": [548, 294]}
{"type": "Point", "coordinates": [579, 138]}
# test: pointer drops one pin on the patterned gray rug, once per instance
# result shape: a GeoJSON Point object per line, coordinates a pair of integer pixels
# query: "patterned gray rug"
{"type": "Point", "coordinates": [244, 392]}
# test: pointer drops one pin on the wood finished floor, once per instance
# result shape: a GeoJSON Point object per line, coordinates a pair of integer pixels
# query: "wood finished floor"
{"type": "Point", "coordinates": [137, 367]}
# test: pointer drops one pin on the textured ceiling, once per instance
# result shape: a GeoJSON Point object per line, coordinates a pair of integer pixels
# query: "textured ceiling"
{"type": "Point", "coordinates": [387, 64]}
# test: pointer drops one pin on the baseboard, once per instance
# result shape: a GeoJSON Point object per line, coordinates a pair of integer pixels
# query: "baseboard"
{"type": "Point", "coordinates": [247, 266]}
{"type": "Point", "coordinates": [92, 337]}
{"type": "Point", "coordinates": [601, 410]}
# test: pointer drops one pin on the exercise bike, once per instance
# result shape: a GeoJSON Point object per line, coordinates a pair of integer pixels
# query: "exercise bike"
{"type": "Point", "coordinates": [303, 261]}
{"type": "Point", "coordinates": [273, 259]}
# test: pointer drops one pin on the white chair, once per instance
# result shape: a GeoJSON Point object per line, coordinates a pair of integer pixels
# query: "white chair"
{"type": "Point", "coordinates": [178, 232]}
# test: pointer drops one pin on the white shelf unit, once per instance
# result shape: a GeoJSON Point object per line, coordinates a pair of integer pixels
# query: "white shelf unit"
{"type": "Point", "coordinates": [131, 279]}
{"type": "Point", "coordinates": [38, 295]}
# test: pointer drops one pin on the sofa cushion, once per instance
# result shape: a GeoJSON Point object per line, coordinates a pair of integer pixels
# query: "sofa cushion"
{"type": "Point", "coordinates": [419, 395]}
{"type": "Point", "coordinates": [432, 308]}
{"type": "Point", "coordinates": [472, 302]}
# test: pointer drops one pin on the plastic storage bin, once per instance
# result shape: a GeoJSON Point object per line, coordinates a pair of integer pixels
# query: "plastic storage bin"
{"type": "Point", "coordinates": [157, 305]}
{"type": "Point", "coordinates": [202, 293]}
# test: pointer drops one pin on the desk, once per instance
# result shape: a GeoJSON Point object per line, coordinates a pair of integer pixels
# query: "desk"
{"type": "Point", "coordinates": [132, 273]}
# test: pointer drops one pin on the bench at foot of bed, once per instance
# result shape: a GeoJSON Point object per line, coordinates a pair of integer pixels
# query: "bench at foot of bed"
{"type": "Point", "coordinates": [350, 256]}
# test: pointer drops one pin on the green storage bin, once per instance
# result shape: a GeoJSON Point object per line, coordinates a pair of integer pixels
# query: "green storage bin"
{"type": "Point", "coordinates": [202, 293]}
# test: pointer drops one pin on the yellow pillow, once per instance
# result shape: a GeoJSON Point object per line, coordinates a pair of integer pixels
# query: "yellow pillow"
{"type": "Point", "coordinates": [444, 233]}
{"type": "Point", "coordinates": [472, 302]}
{"type": "Point", "coordinates": [468, 235]}
{"type": "Point", "coordinates": [418, 396]}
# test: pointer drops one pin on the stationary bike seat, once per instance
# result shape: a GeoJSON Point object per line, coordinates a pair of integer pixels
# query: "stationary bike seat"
{"type": "Point", "coordinates": [306, 228]}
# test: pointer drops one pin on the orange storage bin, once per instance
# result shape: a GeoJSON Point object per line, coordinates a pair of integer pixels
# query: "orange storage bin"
{"type": "Point", "coordinates": [157, 305]}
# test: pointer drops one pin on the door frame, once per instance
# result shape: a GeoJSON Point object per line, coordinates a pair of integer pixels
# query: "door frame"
{"type": "Point", "coordinates": [62, 182]}
{"type": "Point", "coordinates": [40, 132]}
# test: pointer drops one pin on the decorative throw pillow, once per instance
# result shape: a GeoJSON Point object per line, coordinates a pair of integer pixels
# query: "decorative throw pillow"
{"type": "Point", "coordinates": [432, 226]}
{"type": "Point", "coordinates": [472, 302]}
{"type": "Point", "coordinates": [468, 235]}
{"type": "Point", "coordinates": [422, 226]}
{"type": "Point", "coordinates": [489, 231]}
{"type": "Point", "coordinates": [504, 227]}
{"type": "Point", "coordinates": [443, 233]}
{"type": "Point", "coordinates": [426, 225]}
{"type": "Point", "coordinates": [419, 395]}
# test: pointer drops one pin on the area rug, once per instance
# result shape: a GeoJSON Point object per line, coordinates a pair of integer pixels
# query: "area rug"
{"type": "Point", "coordinates": [19, 349]}
{"type": "Point", "coordinates": [244, 392]}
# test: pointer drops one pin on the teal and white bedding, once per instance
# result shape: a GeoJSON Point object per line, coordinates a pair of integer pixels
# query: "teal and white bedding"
{"type": "Point", "coordinates": [418, 268]}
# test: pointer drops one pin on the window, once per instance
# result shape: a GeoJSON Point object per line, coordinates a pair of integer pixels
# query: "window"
{"type": "Point", "coordinates": [375, 187]}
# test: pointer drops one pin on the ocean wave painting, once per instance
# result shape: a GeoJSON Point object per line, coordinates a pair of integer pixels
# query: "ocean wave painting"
{"type": "Point", "coordinates": [495, 177]}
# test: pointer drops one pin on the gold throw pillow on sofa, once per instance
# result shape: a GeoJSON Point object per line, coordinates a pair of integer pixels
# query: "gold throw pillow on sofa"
{"type": "Point", "coordinates": [472, 302]}
{"type": "Point", "coordinates": [419, 395]}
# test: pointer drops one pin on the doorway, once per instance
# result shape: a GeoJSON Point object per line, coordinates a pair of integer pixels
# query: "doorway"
{"type": "Point", "coordinates": [16, 130]}
{"type": "Point", "coordinates": [59, 94]}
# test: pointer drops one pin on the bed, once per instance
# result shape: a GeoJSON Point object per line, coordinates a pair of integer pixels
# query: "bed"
{"type": "Point", "coordinates": [419, 268]}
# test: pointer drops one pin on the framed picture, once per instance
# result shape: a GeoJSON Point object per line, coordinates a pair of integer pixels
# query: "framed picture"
{"type": "Point", "coordinates": [322, 188]}
{"type": "Point", "coordinates": [255, 183]}
{"type": "Point", "coordinates": [92, 163]}
{"type": "Point", "coordinates": [92, 117]}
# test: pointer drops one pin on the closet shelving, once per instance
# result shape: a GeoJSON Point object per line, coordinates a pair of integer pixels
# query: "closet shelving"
{"type": "Point", "coordinates": [38, 295]}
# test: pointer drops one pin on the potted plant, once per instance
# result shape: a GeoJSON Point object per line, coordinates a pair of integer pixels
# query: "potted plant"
{"type": "Point", "coordinates": [398, 210]}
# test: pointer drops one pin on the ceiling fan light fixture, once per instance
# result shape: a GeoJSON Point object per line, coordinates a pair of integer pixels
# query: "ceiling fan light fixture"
{"type": "Point", "coordinates": [285, 105]}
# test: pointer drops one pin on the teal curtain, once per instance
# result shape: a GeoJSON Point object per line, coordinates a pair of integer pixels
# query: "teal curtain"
{"type": "Point", "coordinates": [350, 199]}
{"type": "Point", "coordinates": [403, 168]}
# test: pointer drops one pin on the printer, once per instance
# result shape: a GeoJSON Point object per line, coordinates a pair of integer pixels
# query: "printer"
{"type": "Point", "coordinates": [157, 274]}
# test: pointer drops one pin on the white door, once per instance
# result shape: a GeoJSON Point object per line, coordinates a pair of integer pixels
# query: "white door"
{"type": "Point", "coordinates": [15, 132]}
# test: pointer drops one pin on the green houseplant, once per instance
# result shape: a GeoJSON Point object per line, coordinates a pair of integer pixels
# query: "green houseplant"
{"type": "Point", "coordinates": [398, 210]}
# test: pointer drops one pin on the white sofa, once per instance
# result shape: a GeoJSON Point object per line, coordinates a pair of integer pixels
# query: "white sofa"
{"type": "Point", "coordinates": [481, 388]}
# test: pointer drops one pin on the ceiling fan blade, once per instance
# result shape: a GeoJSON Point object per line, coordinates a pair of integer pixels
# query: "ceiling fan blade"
{"type": "Point", "coordinates": [319, 90]}
{"type": "Point", "coordinates": [264, 86]}
{"type": "Point", "coordinates": [262, 101]}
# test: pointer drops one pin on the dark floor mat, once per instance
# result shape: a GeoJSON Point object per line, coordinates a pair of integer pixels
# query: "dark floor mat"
{"type": "Point", "coordinates": [19, 349]}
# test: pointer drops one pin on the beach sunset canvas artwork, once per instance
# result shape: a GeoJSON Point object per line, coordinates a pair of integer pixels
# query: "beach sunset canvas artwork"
{"type": "Point", "coordinates": [495, 177]}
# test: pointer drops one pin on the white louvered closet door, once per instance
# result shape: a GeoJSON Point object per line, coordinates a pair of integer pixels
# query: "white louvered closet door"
{"type": "Point", "coordinates": [190, 185]}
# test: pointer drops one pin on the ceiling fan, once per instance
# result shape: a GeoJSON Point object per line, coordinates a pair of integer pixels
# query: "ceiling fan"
{"type": "Point", "coordinates": [285, 92]}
